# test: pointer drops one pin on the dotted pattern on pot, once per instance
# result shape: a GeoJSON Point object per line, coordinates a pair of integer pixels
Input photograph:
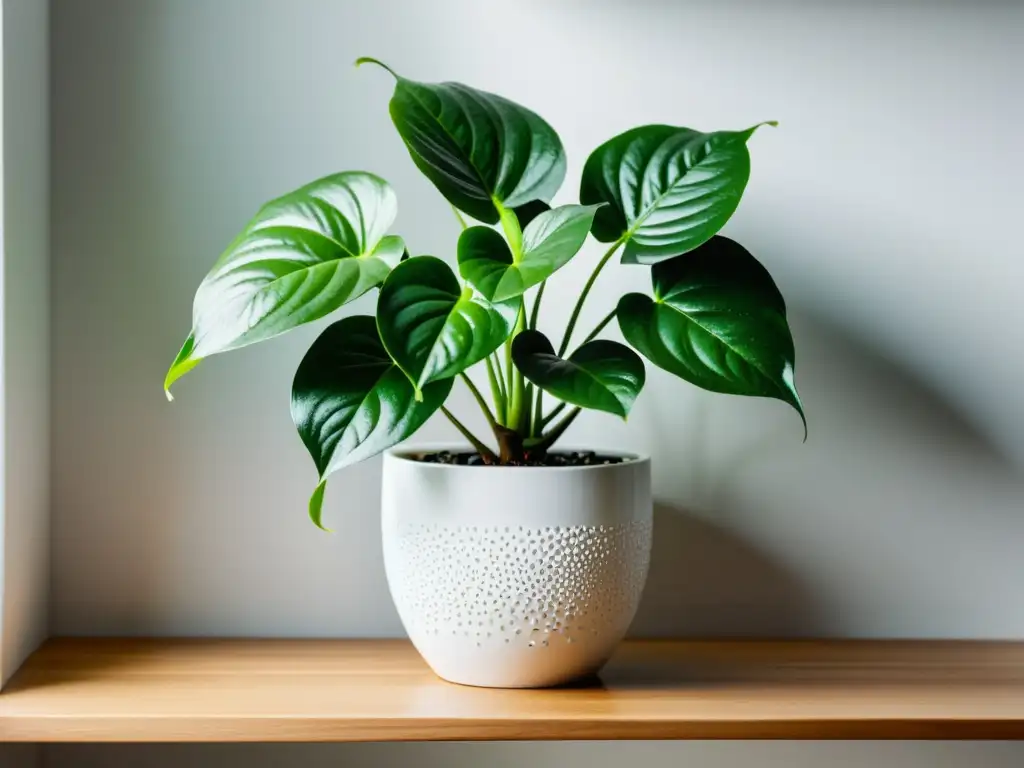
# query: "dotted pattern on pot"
{"type": "Point", "coordinates": [516, 585]}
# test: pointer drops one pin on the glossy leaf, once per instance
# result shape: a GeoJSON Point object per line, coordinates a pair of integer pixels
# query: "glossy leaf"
{"type": "Point", "coordinates": [301, 257]}
{"type": "Point", "coordinates": [717, 320]}
{"type": "Point", "coordinates": [603, 375]}
{"type": "Point", "coordinates": [530, 211]}
{"type": "Point", "coordinates": [481, 151]}
{"type": "Point", "coordinates": [350, 401]}
{"type": "Point", "coordinates": [551, 239]}
{"type": "Point", "coordinates": [432, 326]}
{"type": "Point", "coordinates": [668, 189]}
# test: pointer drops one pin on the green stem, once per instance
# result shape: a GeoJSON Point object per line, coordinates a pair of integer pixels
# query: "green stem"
{"type": "Point", "coordinates": [583, 295]}
{"type": "Point", "coordinates": [526, 414]}
{"type": "Point", "coordinates": [480, 400]}
{"type": "Point", "coordinates": [459, 216]}
{"type": "Point", "coordinates": [509, 372]}
{"type": "Point", "coordinates": [556, 431]}
{"type": "Point", "coordinates": [536, 306]}
{"type": "Point", "coordinates": [600, 327]}
{"type": "Point", "coordinates": [496, 394]}
{"type": "Point", "coordinates": [499, 373]}
{"type": "Point", "coordinates": [551, 416]}
{"type": "Point", "coordinates": [516, 379]}
{"type": "Point", "coordinates": [486, 453]}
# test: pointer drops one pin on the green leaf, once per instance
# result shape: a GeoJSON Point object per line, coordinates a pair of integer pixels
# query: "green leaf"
{"type": "Point", "coordinates": [303, 255]}
{"type": "Point", "coordinates": [717, 320]}
{"type": "Point", "coordinates": [530, 211]}
{"type": "Point", "coordinates": [434, 328]}
{"type": "Point", "coordinates": [350, 401]}
{"type": "Point", "coordinates": [551, 239]}
{"type": "Point", "coordinates": [182, 364]}
{"type": "Point", "coordinates": [481, 151]}
{"type": "Point", "coordinates": [603, 375]}
{"type": "Point", "coordinates": [669, 189]}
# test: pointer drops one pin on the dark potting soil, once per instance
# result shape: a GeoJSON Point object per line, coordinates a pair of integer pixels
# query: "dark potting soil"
{"type": "Point", "coordinates": [552, 459]}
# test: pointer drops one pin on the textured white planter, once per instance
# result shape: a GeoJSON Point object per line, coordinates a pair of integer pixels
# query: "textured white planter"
{"type": "Point", "coordinates": [515, 577]}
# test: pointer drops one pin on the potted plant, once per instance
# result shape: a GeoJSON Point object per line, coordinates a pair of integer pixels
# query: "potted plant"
{"type": "Point", "coordinates": [511, 564]}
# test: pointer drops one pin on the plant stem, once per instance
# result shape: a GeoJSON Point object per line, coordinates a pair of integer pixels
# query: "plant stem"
{"type": "Point", "coordinates": [485, 453]}
{"type": "Point", "coordinates": [551, 416]}
{"type": "Point", "coordinates": [480, 400]}
{"type": "Point", "coordinates": [499, 372]}
{"type": "Point", "coordinates": [556, 432]}
{"type": "Point", "coordinates": [526, 415]}
{"type": "Point", "coordinates": [583, 295]}
{"type": "Point", "coordinates": [508, 381]}
{"type": "Point", "coordinates": [538, 414]}
{"type": "Point", "coordinates": [600, 327]}
{"type": "Point", "coordinates": [516, 379]}
{"type": "Point", "coordinates": [458, 215]}
{"type": "Point", "coordinates": [496, 393]}
{"type": "Point", "coordinates": [536, 306]}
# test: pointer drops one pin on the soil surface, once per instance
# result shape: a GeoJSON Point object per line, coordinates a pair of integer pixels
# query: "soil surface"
{"type": "Point", "coordinates": [551, 459]}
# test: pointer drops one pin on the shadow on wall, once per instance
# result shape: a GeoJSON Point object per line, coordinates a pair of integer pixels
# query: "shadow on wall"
{"type": "Point", "coordinates": [705, 580]}
{"type": "Point", "coordinates": [742, 548]}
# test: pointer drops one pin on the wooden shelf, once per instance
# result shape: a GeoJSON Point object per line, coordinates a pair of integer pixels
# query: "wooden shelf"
{"type": "Point", "coordinates": [380, 690]}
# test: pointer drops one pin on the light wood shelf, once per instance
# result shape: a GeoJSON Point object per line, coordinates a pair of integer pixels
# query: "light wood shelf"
{"type": "Point", "coordinates": [380, 690]}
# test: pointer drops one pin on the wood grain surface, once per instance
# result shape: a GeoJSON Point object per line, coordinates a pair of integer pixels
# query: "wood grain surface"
{"type": "Point", "coordinates": [380, 690]}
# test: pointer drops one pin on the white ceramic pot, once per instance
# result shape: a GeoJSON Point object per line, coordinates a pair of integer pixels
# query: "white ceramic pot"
{"type": "Point", "coordinates": [515, 577]}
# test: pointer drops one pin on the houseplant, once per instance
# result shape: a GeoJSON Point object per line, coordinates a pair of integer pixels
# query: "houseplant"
{"type": "Point", "coordinates": [511, 564]}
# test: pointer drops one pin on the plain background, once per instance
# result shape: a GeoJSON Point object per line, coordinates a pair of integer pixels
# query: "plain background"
{"type": "Point", "coordinates": [886, 205]}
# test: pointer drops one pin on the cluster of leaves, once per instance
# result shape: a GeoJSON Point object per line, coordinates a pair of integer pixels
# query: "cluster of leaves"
{"type": "Point", "coordinates": [659, 193]}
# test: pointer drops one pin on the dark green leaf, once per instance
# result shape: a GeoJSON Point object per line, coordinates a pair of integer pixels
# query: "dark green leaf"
{"type": "Point", "coordinates": [530, 211]}
{"type": "Point", "coordinates": [350, 401]}
{"type": "Point", "coordinates": [668, 189]}
{"type": "Point", "coordinates": [481, 151]}
{"type": "Point", "coordinates": [432, 326]}
{"type": "Point", "coordinates": [603, 375]}
{"type": "Point", "coordinates": [301, 257]}
{"type": "Point", "coordinates": [716, 320]}
{"type": "Point", "coordinates": [551, 239]}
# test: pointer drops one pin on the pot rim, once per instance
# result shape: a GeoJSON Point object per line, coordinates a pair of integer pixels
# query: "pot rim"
{"type": "Point", "coordinates": [403, 453]}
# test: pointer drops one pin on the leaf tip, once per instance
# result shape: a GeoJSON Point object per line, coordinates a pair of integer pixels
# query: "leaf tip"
{"type": "Point", "coordinates": [370, 60]}
{"type": "Point", "coordinates": [750, 131]}
{"type": "Point", "coordinates": [168, 395]}
{"type": "Point", "coordinates": [316, 504]}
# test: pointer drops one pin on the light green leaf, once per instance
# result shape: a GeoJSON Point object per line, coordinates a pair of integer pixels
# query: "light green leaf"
{"type": "Point", "coordinates": [668, 189]}
{"type": "Point", "coordinates": [717, 320]}
{"type": "Point", "coordinates": [433, 327]}
{"type": "Point", "coordinates": [481, 151]}
{"type": "Point", "coordinates": [548, 243]}
{"type": "Point", "coordinates": [603, 375]}
{"type": "Point", "coordinates": [350, 401]}
{"type": "Point", "coordinates": [182, 364]}
{"type": "Point", "coordinates": [303, 256]}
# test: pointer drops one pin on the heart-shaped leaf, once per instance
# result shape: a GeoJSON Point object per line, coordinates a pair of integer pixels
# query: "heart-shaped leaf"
{"type": "Point", "coordinates": [481, 151]}
{"type": "Point", "coordinates": [301, 257]}
{"type": "Point", "coordinates": [550, 240]}
{"type": "Point", "coordinates": [603, 375]}
{"type": "Point", "coordinates": [432, 326]}
{"type": "Point", "coordinates": [350, 401]}
{"type": "Point", "coordinates": [717, 320]}
{"type": "Point", "coordinates": [668, 189]}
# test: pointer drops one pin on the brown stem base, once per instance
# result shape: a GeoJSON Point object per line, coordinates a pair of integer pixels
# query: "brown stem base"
{"type": "Point", "coordinates": [510, 446]}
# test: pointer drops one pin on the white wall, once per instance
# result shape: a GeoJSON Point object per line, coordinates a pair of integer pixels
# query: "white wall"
{"type": "Point", "coordinates": [25, 533]}
{"type": "Point", "coordinates": [885, 204]}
